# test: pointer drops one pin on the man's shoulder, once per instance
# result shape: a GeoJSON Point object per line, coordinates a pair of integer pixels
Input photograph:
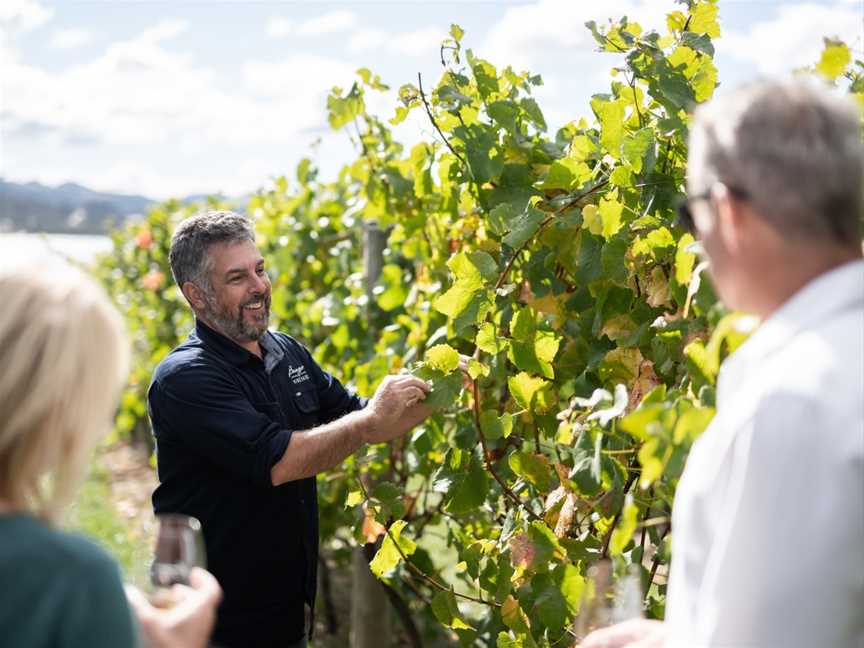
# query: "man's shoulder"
{"type": "Point", "coordinates": [294, 350]}
{"type": "Point", "coordinates": [825, 358]}
{"type": "Point", "coordinates": [287, 342]}
{"type": "Point", "coordinates": [188, 361]}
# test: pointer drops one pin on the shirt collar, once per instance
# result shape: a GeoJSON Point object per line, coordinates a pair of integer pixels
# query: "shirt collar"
{"type": "Point", "coordinates": [829, 293]}
{"type": "Point", "coordinates": [236, 354]}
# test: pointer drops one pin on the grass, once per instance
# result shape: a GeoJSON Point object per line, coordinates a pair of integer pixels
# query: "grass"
{"type": "Point", "coordinates": [94, 515]}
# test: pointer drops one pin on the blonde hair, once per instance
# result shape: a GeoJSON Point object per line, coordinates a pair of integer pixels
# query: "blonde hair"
{"type": "Point", "coordinates": [63, 357]}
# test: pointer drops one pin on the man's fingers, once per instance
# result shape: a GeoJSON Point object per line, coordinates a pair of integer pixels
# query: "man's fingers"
{"type": "Point", "coordinates": [412, 381]}
{"type": "Point", "coordinates": [414, 395]}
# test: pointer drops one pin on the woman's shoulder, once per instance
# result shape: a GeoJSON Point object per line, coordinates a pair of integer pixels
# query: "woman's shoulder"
{"type": "Point", "coordinates": [68, 590]}
{"type": "Point", "coordinates": [29, 543]}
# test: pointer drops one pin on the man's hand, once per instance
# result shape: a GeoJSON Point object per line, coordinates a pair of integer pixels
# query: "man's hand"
{"type": "Point", "coordinates": [635, 633]}
{"type": "Point", "coordinates": [188, 623]}
{"type": "Point", "coordinates": [396, 407]}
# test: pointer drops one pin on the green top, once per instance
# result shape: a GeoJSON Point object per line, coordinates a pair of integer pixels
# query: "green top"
{"type": "Point", "coordinates": [59, 590]}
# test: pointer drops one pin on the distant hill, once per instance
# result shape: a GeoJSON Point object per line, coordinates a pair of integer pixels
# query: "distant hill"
{"type": "Point", "coordinates": [73, 209]}
{"type": "Point", "coordinates": [69, 208]}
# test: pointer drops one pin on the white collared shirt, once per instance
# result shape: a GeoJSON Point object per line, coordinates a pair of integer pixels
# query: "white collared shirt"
{"type": "Point", "coordinates": [768, 521]}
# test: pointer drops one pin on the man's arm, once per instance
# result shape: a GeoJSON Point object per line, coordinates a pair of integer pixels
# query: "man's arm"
{"type": "Point", "coordinates": [395, 409]}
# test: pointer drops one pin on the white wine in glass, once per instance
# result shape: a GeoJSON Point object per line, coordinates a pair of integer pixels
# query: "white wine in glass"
{"type": "Point", "coordinates": [606, 600]}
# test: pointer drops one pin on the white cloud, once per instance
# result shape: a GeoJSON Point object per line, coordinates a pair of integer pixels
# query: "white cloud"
{"type": "Point", "coordinates": [23, 15]}
{"type": "Point", "coordinates": [148, 118]}
{"type": "Point", "coordinates": [164, 30]}
{"type": "Point", "coordinates": [420, 42]}
{"type": "Point", "coordinates": [529, 34]}
{"type": "Point", "coordinates": [367, 39]}
{"type": "Point", "coordinates": [329, 23]}
{"type": "Point", "coordinates": [277, 27]}
{"type": "Point", "coordinates": [792, 38]}
{"type": "Point", "coordinates": [68, 38]}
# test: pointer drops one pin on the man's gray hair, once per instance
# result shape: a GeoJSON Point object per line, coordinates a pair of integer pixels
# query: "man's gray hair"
{"type": "Point", "coordinates": [793, 148]}
{"type": "Point", "coordinates": [188, 255]}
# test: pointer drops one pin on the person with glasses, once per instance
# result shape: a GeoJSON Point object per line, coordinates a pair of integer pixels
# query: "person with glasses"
{"type": "Point", "coordinates": [768, 520]}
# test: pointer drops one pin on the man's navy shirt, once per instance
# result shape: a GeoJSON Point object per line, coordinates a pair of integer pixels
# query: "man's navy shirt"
{"type": "Point", "coordinates": [222, 417]}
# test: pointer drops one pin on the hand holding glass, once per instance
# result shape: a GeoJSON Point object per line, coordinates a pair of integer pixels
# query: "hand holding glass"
{"type": "Point", "coordinates": [179, 548]}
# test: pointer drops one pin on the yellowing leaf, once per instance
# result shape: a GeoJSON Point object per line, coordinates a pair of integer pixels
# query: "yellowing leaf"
{"type": "Point", "coordinates": [534, 468]}
{"type": "Point", "coordinates": [675, 21]}
{"type": "Point", "coordinates": [619, 327]}
{"type": "Point", "coordinates": [610, 214]}
{"type": "Point", "coordinates": [549, 303]}
{"type": "Point", "coordinates": [388, 556]}
{"type": "Point", "coordinates": [692, 423]}
{"type": "Point", "coordinates": [835, 57]}
{"type": "Point", "coordinates": [477, 369]}
{"type": "Point", "coordinates": [512, 615]}
{"type": "Point", "coordinates": [488, 339]}
{"type": "Point", "coordinates": [582, 147]}
{"type": "Point", "coordinates": [703, 20]}
{"type": "Point", "coordinates": [684, 260]}
{"type": "Point", "coordinates": [591, 219]}
{"type": "Point", "coordinates": [657, 291]}
{"type": "Point", "coordinates": [524, 388]}
{"type": "Point", "coordinates": [354, 498]}
{"type": "Point", "coordinates": [546, 346]}
{"type": "Point", "coordinates": [610, 114]}
{"type": "Point", "coordinates": [620, 365]}
{"type": "Point", "coordinates": [625, 528]}
{"type": "Point", "coordinates": [442, 357]}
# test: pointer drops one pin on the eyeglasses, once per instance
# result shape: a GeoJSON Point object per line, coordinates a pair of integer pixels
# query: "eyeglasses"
{"type": "Point", "coordinates": [684, 215]}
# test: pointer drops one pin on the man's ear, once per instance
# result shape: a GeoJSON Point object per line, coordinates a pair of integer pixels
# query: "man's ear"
{"type": "Point", "coordinates": [194, 295]}
{"type": "Point", "coordinates": [731, 221]}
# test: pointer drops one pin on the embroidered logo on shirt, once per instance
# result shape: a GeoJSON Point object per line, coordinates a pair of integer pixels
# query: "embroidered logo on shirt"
{"type": "Point", "coordinates": [297, 374]}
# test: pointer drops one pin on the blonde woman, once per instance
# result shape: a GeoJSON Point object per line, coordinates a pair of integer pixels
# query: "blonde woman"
{"type": "Point", "coordinates": [63, 359]}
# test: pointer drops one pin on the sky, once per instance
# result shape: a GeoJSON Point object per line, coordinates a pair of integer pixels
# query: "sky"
{"type": "Point", "coordinates": [170, 98]}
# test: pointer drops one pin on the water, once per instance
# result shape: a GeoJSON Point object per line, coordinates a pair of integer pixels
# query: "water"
{"type": "Point", "coordinates": [19, 247]}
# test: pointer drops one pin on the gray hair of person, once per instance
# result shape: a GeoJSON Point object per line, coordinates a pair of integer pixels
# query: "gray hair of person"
{"type": "Point", "coordinates": [793, 148]}
{"type": "Point", "coordinates": [192, 238]}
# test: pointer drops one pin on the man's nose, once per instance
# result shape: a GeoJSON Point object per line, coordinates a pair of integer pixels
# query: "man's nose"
{"type": "Point", "coordinates": [259, 285]}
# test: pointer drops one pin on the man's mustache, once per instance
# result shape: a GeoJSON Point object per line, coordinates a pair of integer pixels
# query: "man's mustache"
{"type": "Point", "coordinates": [265, 297]}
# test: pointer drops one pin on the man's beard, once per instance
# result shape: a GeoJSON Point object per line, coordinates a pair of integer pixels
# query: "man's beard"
{"type": "Point", "coordinates": [234, 325]}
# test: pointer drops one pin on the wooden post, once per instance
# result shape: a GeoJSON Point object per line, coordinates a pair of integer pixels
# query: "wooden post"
{"type": "Point", "coordinates": [371, 625]}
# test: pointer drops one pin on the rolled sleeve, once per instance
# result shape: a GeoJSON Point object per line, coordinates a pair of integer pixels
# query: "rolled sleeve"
{"type": "Point", "coordinates": [209, 414]}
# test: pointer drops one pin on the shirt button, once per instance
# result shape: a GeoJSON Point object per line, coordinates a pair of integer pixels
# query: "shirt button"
{"type": "Point", "coordinates": [297, 394]}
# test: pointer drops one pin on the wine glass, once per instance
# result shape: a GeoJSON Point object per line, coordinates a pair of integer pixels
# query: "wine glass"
{"type": "Point", "coordinates": [179, 548]}
{"type": "Point", "coordinates": [607, 600]}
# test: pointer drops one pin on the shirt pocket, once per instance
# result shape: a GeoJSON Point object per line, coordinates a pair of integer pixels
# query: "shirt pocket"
{"type": "Point", "coordinates": [307, 404]}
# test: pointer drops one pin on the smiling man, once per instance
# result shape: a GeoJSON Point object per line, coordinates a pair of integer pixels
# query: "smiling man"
{"type": "Point", "coordinates": [244, 419]}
